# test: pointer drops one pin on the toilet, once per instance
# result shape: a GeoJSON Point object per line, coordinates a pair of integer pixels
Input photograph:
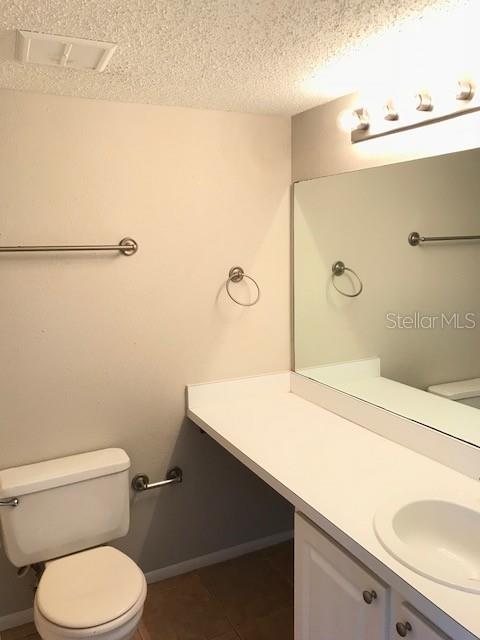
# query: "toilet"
{"type": "Point", "coordinates": [464, 391]}
{"type": "Point", "coordinates": [58, 516]}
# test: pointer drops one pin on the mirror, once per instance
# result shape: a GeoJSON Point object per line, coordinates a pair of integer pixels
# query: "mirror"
{"type": "Point", "coordinates": [409, 340]}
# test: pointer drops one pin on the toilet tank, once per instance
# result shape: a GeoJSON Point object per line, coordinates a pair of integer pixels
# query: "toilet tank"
{"type": "Point", "coordinates": [65, 505]}
{"type": "Point", "coordinates": [464, 391]}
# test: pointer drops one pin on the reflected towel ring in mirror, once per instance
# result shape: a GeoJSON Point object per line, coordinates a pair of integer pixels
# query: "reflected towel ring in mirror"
{"type": "Point", "coordinates": [338, 269]}
{"type": "Point", "coordinates": [237, 274]}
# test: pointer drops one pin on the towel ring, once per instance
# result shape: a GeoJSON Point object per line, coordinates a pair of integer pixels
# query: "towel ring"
{"type": "Point", "coordinates": [237, 274]}
{"type": "Point", "coordinates": [338, 269]}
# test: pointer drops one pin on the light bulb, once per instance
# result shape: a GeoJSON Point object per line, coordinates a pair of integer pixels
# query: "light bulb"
{"type": "Point", "coordinates": [424, 101]}
{"type": "Point", "coordinates": [465, 90]}
{"type": "Point", "coordinates": [390, 111]}
{"type": "Point", "coordinates": [361, 120]}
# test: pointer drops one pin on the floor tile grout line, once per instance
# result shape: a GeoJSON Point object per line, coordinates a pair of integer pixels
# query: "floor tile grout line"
{"type": "Point", "coordinates": [264, 617]}
{"type": "Point", "coordinates": [218, 603]}
{"type": "Point", "coordinates": [212, 595]}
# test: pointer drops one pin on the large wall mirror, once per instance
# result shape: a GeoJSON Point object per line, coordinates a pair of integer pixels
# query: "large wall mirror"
{"type": "Point", "coordinates": [395, 324]}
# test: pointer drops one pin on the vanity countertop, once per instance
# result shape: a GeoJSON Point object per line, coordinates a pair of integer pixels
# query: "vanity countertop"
{"type": "Point", "coordinates": [338, 474]}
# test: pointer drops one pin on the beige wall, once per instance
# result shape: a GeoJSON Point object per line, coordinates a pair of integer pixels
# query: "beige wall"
{"type": "Point", "coordinates": [321, 146]}
{"type": "Point", "coordinates": [96, 349]}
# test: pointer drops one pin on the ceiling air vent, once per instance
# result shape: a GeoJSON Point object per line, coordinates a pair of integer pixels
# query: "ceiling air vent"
{"type": "Point", "coordinates": [63, 51]}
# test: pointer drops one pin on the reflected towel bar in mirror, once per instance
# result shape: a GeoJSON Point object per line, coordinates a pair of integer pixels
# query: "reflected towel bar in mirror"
{"type": "Point", "coordinates": [415, 239]}
{"type": "Point", "coordinates": [127, 246]}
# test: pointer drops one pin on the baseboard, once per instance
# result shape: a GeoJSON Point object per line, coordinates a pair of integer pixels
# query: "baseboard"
{"type": "Point", "coordinates": [217, 556]}
{"type": "Point", "coordinates": [22, 617]}
{"type": "Point", "coordinates": [16, 619]}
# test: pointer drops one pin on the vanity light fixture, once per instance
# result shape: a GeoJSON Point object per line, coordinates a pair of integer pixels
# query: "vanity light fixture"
{"type": "Point", "coordinates": [424, 111]}
{"type": "Point", "coordinates": [361, 119]}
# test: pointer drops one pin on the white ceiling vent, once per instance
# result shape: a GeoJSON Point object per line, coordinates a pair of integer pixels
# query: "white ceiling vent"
{"type": "Point", "coordinates": [63, 51]}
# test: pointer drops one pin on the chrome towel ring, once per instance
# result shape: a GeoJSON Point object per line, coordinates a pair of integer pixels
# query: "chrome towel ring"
{"type": "Point", "coordinates": [338, 269]}
{"type": "Point", "coordinates": [237, 274]}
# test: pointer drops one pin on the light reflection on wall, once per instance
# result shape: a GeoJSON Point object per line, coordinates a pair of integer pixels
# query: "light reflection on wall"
{"type": "Point", "coordinates": [433, 50]}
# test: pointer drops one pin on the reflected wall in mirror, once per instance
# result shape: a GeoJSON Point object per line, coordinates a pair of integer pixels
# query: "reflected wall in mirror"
{"type": "Point", "coordinates": [409, 342]}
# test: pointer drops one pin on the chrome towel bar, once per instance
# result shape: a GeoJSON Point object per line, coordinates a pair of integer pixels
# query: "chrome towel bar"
{"type": "Point", "coordinates": [127, 246]}
{"type": "Point", "coordinates": [9, 502]}
{"type": "Point", "coordinates": [415, 239]}
{"type": "Point", "coordinates": [141, 482]}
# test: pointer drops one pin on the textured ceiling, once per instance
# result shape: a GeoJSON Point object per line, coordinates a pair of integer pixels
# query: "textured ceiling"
{"type": "Point", "coordinates": [242, 55]}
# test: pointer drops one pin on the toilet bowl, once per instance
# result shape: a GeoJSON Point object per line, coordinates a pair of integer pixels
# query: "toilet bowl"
{"type": "Point", "coordinates": [60, 515]}
{"type": "Point", "coordinates": [96, 593]}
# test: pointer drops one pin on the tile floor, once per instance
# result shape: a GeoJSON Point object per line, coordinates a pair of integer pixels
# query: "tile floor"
{"type": "Point", "coordinates": [248, 598]}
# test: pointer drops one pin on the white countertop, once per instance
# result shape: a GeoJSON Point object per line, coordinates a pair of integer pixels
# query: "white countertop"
{"type": "Point", "coordinates": [338, 474]}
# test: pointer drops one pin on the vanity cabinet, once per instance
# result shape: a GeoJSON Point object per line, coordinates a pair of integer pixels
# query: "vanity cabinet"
{"type": "Point", "coordinates": [412, 623]}
{"type": "Point", "coordinates": [337, 598]}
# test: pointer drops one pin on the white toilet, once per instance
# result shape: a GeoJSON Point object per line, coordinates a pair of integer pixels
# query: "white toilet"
{"type": "Point", "coordinates": [464, 391]}
{"type": "Point", "coordinates": [57, 513]}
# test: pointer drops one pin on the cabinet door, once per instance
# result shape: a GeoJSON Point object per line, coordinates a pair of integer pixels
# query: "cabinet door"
{"type": "Point", "coordinates": [336, 598]}
{"type": "Point", "coordinates": [408, 623]}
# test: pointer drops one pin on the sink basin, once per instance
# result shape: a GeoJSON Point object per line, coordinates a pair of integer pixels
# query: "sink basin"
{"type": "Point", "coordinates": [437, 538]}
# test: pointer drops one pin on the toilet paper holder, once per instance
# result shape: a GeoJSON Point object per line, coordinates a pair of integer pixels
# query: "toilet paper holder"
{"type": "Point", "coordinates": [141, 482]}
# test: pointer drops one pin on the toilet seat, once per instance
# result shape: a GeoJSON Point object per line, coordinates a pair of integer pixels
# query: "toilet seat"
{"type": "Point", "coordinates": [95, 592]}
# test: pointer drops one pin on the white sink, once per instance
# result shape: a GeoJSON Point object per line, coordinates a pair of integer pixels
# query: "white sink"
{"type": "Point", "coordinates": [437, 538]}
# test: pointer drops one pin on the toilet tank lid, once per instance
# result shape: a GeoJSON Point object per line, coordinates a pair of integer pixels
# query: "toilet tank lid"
{"type": "Point", "coordinates": [457, 390]}
{"type": "Point", "coordinates": [39, 476]}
